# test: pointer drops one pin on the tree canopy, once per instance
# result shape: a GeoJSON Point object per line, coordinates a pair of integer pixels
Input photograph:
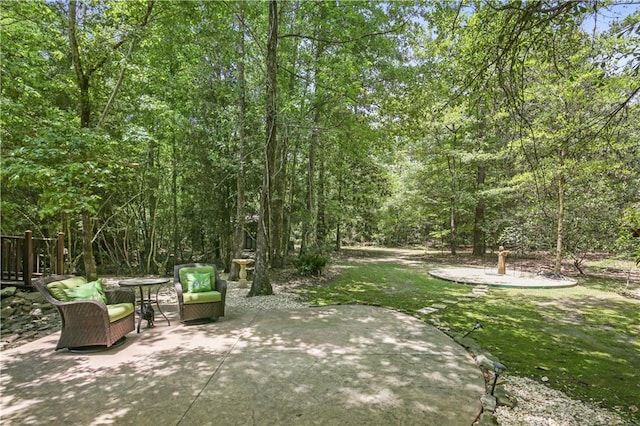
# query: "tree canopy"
{"type": "Point", "coordinates": [157, 133]}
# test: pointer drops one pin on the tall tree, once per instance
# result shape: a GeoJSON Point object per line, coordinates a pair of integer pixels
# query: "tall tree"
{"type": "Point", "coordinates": [239, 237]}
{"type": "Point", "coordinates": [85, 67]}
{"type": "Point", "coordinates": [261, 284]}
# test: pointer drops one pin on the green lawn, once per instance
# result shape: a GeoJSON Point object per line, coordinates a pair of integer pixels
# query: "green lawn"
{"type": "Point", "coordinates": [584, 339]}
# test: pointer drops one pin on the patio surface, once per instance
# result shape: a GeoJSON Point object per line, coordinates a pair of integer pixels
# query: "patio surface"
{"type": "Point", "coordinates": [347, 365]}
{"type": "Point", "coordinates": [490, 277]}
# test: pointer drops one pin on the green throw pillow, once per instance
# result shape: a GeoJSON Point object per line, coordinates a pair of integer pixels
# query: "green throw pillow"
{"type": "Point", "coordinates": [199, 282]}
{"type": "Point", "coordinates": [57, 288]}
{"type": "Point", "coordinates": [88, 291]}
{"type": "Point", "coordinates": [196, 270]}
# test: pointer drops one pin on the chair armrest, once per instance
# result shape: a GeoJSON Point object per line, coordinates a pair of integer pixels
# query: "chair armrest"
{"type": "Point", "coordinates": [221, 286]}
{"type": "Point", "coordinates": [120, 295]}
{"type": "Point", "coordinates": [83, 309]}
{"type": "Point", "coordinates": [178, 288]}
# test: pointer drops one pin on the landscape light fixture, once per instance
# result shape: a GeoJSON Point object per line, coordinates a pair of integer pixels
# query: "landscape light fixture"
{"type": "Point", "coordinates": [475, 327]}
{"type": "Point", "coordinates": [497, 369]}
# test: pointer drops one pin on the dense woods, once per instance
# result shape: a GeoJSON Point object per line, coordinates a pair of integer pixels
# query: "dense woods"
{"type": "Point", "coordinates": [155, 133]}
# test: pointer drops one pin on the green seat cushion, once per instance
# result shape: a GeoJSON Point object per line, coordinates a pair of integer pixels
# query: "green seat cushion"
{"type": "Point", "coordinates": [88, 291]}
{"type": "Point", "coordinates": [204, 297]}
{"type": "Point", "coordinates": [57, 288]}
{"type": "Point", "coordinates": [119, 310]}
{"type": "Point", "coordinates": [184, 279]}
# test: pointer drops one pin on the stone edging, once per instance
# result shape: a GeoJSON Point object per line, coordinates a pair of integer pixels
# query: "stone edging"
{"type": "Point", "coordinates": [484, 360]}
{"type": "Point", "coordinates": [25, 316]}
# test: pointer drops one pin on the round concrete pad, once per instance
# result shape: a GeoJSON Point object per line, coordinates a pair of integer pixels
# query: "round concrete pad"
{"type": "Point", "coordinates": [347, 365]}
{"type": "Point", "coordinates": [521, 279]}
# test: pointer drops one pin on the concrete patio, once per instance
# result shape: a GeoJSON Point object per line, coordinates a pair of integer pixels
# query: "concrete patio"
{"type": "Point", "coordinates": [347, 365]}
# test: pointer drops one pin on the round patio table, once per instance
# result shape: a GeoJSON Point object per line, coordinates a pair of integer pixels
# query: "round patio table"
{"type": "Point", "coordinates": [141, 283]}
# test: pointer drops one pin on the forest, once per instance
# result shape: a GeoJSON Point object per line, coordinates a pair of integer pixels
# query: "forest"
{"type": "Point", "coordinates": [154, 133]}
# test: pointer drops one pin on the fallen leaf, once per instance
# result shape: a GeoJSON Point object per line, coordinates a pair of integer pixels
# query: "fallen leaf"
{"type": "Point", "coordinates": [633, 408]}
{"type": "Point", "coordinates": [540, 367]}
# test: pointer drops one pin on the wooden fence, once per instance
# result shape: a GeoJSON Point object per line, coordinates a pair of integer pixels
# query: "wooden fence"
{"type": "Point", "coordinates": [25, 257]}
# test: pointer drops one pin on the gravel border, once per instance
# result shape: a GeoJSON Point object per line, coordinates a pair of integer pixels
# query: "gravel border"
{"type": "Point", "coordinates": [539, 405]}
{"type": "Point", "coordinates": [237, 297]}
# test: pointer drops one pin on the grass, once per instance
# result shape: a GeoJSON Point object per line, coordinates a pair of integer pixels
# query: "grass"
{"type": "Point", "coordinates": [623, 264]}
{"type": "Point", "coordinates": [584, 339]}
{"type": "Point", "coordinates": [390, 285]}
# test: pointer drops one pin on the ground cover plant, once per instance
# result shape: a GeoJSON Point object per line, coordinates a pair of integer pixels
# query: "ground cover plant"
{"type": "Point", "coordinates": [581, 340]}
{"type": "Point", "coordinates": [391, 285]}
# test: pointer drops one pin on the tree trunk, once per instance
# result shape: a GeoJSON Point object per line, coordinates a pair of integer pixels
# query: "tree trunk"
{"type": "Point", "coordinates": [90, 268]}
{"type": "Point", "coordinates": [153, 184]}
{"type": "Point", "coordinates": [288, 179]}
{"type": "Point", "coordinates": [560, 227]}
{"type": "Point", "coordinates": [70, 264]}
{"type": "Point", "coordinates": [226, 234]}
{"type": "Point", "coordinates": [82, 80]}
{"type": "Point", "coordinates": [174, 203]}
{"type": "Point", "coordinates": [261, 284]}
{"type": "Point", "coordinates": [238, 240]}
{"type": "Point", "coordinates": [452, 225]}
{"type": "Point", "coordinates": [292, 191]}
{"type": "Point", "coordinates": [339, 219]}
{"type": "Point", "coordinates": [321, 226]}
{"type": "Point", "coordinates": [453, 172]}
{"type": "Point", "coordinates": [309, 219]}
{"type": "Point", "coordinates": [479, 242]}
{"type": "Point", "coordinates": [277, 208]}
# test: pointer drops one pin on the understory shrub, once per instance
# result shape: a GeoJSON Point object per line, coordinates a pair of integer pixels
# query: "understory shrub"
{"type": "Point", "coordinates": [311, 263]}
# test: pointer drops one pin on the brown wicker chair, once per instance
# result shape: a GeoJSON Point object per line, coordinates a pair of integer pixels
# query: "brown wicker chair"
{"type": "Point", "coordinates": [85, 323]}
{"type": "Point", "coordinates": [199, 311]}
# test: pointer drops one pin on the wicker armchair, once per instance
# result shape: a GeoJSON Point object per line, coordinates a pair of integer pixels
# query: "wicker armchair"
{"type": "Point", "coordinates": [87, 323]}
{"type": "Point", "coordinates": [202, 305]}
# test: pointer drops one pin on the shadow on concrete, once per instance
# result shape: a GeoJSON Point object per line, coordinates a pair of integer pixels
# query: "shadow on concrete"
{"type": "Point", "coordinates": [348, 365]}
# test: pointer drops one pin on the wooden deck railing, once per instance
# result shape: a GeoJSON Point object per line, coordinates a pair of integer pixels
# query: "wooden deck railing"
{"type": "Point", "coordinates": [23, 258]}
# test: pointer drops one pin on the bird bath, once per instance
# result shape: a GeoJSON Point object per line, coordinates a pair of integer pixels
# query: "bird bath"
{"type": "Point", "coordinates": [242, 283]}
